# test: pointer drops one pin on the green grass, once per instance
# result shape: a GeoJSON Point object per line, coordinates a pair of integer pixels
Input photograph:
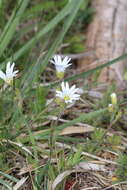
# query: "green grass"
{"type": "Point", "coordinates": [31, 33]}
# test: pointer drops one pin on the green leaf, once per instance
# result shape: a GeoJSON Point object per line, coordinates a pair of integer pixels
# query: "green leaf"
{"type": "Point", "coordinates": [40, 100]}
{"type": "Point", "coordinates": [9, 177]}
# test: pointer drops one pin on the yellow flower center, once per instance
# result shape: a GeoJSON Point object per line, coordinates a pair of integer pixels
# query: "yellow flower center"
{"type": "Point", "coordinates": [9, 81]}
{"type": "Point", "coordinates": [66, 98]}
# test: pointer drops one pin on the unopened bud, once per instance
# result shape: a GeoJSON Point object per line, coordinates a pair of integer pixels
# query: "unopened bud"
{"type": "Point", "coordinates": [114, 98]}
{"type": "Point", "coordinates": [110, 108]}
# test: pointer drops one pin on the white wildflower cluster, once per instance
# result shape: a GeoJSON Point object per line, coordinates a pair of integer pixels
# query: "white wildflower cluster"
{"type": "Point", "coordinates": [65, 93]}
{"type": "Point", "coordinates": [9, 74]}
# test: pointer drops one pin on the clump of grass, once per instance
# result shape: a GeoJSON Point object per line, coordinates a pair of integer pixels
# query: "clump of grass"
{"type": "Point", "coordinates": [121, 171]}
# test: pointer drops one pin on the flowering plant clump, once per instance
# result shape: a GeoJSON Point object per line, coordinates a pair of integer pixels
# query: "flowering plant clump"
{"type": "Point", "coordinates": [66, 94]}
{"type": "Point", "coordinates": [61, 65]}
{"type": "Point", "coordinates": [9, 74]}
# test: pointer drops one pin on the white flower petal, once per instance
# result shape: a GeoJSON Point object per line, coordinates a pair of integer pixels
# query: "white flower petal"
{"type": "Point", "coordinates": [67, 86]}
{"type": "Point", "coordinates": [72, 88]}
{"type": "Point", "coordinates": [2, 75]}
{"type": "Point", "coordinates": [12, 67]}
{"type": "Point", "coordinates": [67, 65]}
{"type": "Point", "coordinates": [59, 60]}
{"type": "Point", "coordinates": [8, 66]}
{"type": "Point", "coordinates": [15, 73]}
{"type": "Point", "coordinates": [62, 86]}
{"type": "Point", "coordinates": [66, 60]}
{"type": "Point", "coordinates": [53, 62]}
{"type": "Point", "coordinates": [60, 64]}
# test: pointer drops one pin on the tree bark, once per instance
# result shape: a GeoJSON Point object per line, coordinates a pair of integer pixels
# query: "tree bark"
{"type": "Point", "coordinates": [107, 37]}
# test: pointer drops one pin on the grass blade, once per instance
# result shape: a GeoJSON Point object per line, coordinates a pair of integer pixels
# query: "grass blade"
{"type": "Point", "coordinates": [9, 177]}
{"type": "Point", "coordinates": [63, 13]}
{"type": "Point", "coordinates": [87, 73]}
{"type": "Point", "coordinates": [11, 25]}
{"type": "Point", "coordinates": [7, 185]}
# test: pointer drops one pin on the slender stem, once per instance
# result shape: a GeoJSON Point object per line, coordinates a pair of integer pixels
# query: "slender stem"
{"type": "Point", "coordinates": [51, 138]}
{"type": "Point", "coordinates": [13, 85]}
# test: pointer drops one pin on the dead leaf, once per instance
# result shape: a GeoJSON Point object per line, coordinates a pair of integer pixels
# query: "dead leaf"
{"type": "Point", "coordinates": [73, 130]}
{"type": "Point", "coordinates": [20, 183]}
{"type": "Point", "coordinates": [60, 178]}
{"type": "Point", "coordinates": [90, 166]}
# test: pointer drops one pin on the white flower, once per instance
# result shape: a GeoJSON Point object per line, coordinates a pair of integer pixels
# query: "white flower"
{"type": "Point", "coordinates": [68, 94]}
{"type": "Point", "coordinates": [9, 74]}
{"type": "Point", "coordinates": [61, 64]}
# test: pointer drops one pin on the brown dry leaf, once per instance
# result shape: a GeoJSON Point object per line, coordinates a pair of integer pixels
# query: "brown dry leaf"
{"type": "Point", "coordinates": [26, 170]}
{"type": "Point", "coordinates": [85, 128]}
{"type": "Point", "coordinates": [73, 130]}
{"type": "Point", "coordinates": [91, 188]}
{"type": "Point", "coordinates": [60, 178]}
{"type": "Point", "coordinates": [20, 183]}
{"type": "Point", "coordinates": [19, 145]}
{"type": "Point", "coordinates": [49, 185]}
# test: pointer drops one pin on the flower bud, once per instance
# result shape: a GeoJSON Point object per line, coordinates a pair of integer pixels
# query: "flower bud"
{"type": "Point", "coordinates": [110, 108]}
{"type": "Point", "coordinates": [114, 98]}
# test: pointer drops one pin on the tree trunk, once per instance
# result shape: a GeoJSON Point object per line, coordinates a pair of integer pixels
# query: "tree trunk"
{"type": "Point", "coordinates": [107, 37]}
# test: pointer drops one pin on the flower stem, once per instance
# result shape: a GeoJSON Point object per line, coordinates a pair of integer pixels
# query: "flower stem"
{"type": "Point", "coordinates": [52, 136]}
